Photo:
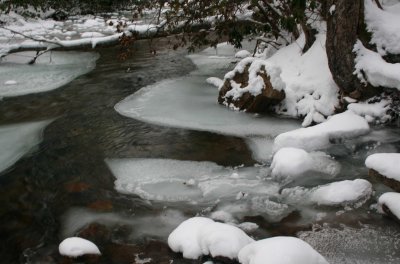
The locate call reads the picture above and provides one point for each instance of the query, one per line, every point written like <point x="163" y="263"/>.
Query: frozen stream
<point x="124" y="177"/>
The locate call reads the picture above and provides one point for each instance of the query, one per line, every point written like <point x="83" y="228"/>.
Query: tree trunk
<point x="343" y="27"/>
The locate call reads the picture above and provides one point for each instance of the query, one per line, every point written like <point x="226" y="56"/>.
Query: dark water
<point x="68" y="169"/>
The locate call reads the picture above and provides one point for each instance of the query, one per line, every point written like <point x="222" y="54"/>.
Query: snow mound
<point x="51" y="71"/>
<point x="91" y="35"/>
<point x="280" y="250"/>
<point x="187" y="181"/>
<point x="291" y="163"/>
<point x="372" y="68"/>
<point x="309" y="87"/>
<point x="372" y="111"/>
<point x="76" y="246"/>
<point x="392" y="201"/>
<point x="384" y="26"/>
<point x="202" y="236"/>
<point x="217" y="82"/>
<point x="242" y="54"/>
<point x="344" y="125"/>
<point x="387" y="164"/>
<point x="343" y="192"/>
<point x="17" y="140"/>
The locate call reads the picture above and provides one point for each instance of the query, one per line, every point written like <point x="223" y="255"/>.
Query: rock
<point x="395" y="185"/>
<point x="254" y="104"/>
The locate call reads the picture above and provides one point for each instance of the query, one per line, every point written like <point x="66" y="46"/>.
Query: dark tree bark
<point x="343" y="27"/>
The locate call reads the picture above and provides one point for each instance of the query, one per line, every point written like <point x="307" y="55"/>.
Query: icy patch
<point x="76" y="246"/>
<point x="17" y="140"/>
<point x="344" y="125"/>
<point x="392" y="201"/>
<point x="51" y="71"/>
<point x="291" y="163"/>
<point x="10" y="82"/>
<point x="161" y="223"/>
<point x="202" y="236"/>
<point x="386" y="164"/>
<point x="280" y="250"/>
<point x="365" y="245"/>
<point x="342" y="193"/>
<point x="186" y="181"/>
<point x="176" y="107"/>
<point x="372" y="68"/>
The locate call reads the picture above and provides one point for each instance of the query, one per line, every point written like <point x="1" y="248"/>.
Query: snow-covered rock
<point x="387" y="164"/>
<point x="242" y="54"/>
<point x="339" y="126"/>
<point x="202" y="236"/>
<point x="390" y="200"/>
<point x="290" y="163"/>
<point x="76" y="247"/>
<point x="372" y="111"/>
<point x="342" y="193"/>
<point x="280" y="250"/>
<point x="217" y="82"/>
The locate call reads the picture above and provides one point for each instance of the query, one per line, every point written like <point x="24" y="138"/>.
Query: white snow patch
<point x="375" y="69"/>
<point x="242" y="54"/>
<point x="91" y="35"/>
<point x="76" y="246"/>
<point x="386" y="164"/>
<point x="202" y="236"/>
<point x="344" y="125"/>
<point x="384" y="26"/>
<point x="291" y="163"/>
<point x="372" y="111"/>
<point x="10" y="82"/>
<point x="392" y="201"/>
<point x="280" y="250"/>
<point x="17" y="140"/>
<point x="217" y="82"/>
<point x="51" y="71"/>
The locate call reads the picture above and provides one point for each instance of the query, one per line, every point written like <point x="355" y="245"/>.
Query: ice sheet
<point x="17" y="140"/>
<point x="51" y="71"/>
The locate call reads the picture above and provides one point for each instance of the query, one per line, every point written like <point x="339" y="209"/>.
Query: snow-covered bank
<point x="17" y="140"/>
<point x="387" y="164"/>
<point x="51" y="71"/>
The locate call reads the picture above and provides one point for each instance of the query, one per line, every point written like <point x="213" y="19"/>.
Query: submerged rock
<point x="268" y="97"/>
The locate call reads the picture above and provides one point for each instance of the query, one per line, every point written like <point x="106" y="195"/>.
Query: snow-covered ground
<point x="51" y="71"/>
<point x="18" y="140"/>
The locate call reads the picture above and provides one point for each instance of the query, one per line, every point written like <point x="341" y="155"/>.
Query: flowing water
<point x="63" y="186"/>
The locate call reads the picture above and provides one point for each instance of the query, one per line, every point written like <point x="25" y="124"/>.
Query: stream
<point x="66" y="183"/>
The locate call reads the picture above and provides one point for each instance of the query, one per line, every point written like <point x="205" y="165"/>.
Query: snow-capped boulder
<point x="389" y="203"/>
<point x="199" y="236"/>
<point x="385" y="166"/>
<point x="76" y="247"/>
<point x="280" y="250"/>
<point x="254" y="85"/>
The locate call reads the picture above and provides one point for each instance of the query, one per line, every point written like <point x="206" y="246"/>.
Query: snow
<point x="343" y="192"/>
<point x="91" y="35"/>
<point x="310" y="90"/>
<point x="372" y="68"/>
<point x="242" y="54"/>
<point x="187" y="181"/>
<point x="386" y="164"/>
<point x="217" y="82"/>
<point x="51" y="71"/>
<point x="384" y="26"/>
<point x="280" y="250"/>
<point x="372" y="111"/>
<point x="17" y="140"/>
<point x="392" y="201"/>
<point x="10" y="82"/>
<point x="291" y="163"/>
<point x="76" y="246"/>
<point x="339" y="126"/>
<point x="202" y="236"/>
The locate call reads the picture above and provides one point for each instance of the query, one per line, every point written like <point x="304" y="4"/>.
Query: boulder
<point x="395" y="185"/>
<point x="260" y="103"/>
